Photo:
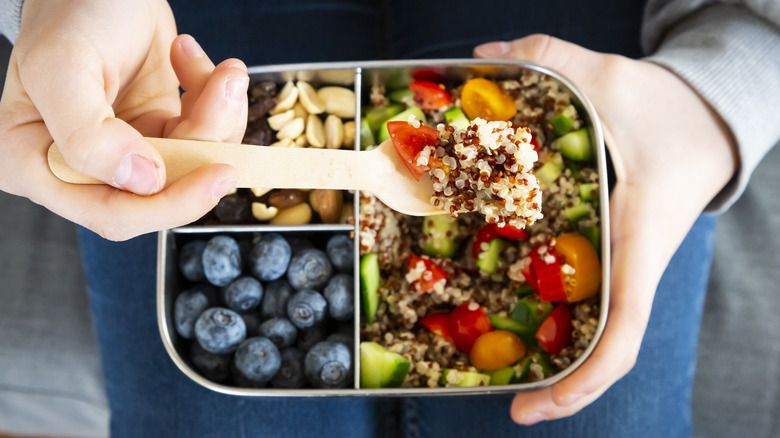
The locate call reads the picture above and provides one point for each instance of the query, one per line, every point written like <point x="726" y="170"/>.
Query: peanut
<point x="297" y="215"/>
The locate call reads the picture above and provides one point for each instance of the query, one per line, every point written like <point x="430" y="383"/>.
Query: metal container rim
<point x="358" y="66"/>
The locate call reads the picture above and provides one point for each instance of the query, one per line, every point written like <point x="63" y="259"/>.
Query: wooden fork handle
<point x="257" y="166"/>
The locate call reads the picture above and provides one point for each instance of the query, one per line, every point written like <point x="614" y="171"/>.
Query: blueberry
<point x="280" y="331"/>
<point x="191" y="260"/>
<point x="307" y="338"/>
<point x="243" y="294"/>
<point x="244" y="382"/>
<point x="306" y="308"/>
<point x="298" y="244"/>
<point x="219" y="330"/>
<point x="341" y="250"/>
<point x="340" y="295"/>
<point x="221" y="260"/>
<point x="275" y="298"/>
<point x="269" y="257"/>
<point x="347" y="340"/>
<point x="328" y="365"/>
<point x="233" y="209"/>
<point x="257" y="359"/>
<point x="188" y="307"/>
<point x="290" y="373"/>
<point x="309" y="269"/>
<point x="215" y="367"/>
<point x="252" y="323"/>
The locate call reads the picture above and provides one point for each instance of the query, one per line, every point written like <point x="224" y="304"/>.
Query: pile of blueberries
<point x="264" y="310"/>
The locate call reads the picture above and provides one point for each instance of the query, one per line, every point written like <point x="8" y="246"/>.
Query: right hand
<point x="672" y="154"/>
<point x="96" y="77"/>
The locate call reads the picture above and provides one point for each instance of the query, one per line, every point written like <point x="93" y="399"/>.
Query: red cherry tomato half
<point x="432" y="274"/>
<point x="433" y="74"/>
<point x="535" y="144"/>
<point x="555" y="332"/>
<point x="549" y="278"/>
<point x="438" y="323"/>
<point x="467" y="323"/>
<point x="530" y="278"/>
<point x="485" y="234"/>
<point x="511" y="232"/>
<point x="429" y="95"/>
<point x="410" y="141"/>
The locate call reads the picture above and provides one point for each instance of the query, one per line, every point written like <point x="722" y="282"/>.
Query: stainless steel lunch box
<point x="361" y="75"/>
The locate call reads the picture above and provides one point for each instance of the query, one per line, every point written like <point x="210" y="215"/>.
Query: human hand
<point x="672" y="154"/>
<point x="96" y="77"/>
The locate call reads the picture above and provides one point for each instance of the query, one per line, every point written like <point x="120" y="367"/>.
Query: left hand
<point x="672" y="154"/>
<point x="96" y="77"/>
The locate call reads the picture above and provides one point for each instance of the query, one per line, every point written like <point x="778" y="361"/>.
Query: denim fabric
<point x="150" y="397"/>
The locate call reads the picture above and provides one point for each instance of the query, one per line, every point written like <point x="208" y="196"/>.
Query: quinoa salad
<point x="506" y="288"/>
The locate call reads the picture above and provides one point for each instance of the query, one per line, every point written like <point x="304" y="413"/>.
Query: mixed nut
<point x="293" y="114"/>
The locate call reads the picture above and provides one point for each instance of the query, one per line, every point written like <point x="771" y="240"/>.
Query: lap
<point x="150" y="396"/>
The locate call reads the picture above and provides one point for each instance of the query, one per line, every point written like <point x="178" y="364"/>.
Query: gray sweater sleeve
<point x="10" y="18"/>
<point x="728" y="51"/>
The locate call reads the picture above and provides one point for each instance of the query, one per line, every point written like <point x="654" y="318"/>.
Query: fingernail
<point x="222" y="188"/>
<point x="571" y="399"/>
<point x="190" y="47"/>
<point x="137" y="174"/>
<point x="531" y="418"/>
<point x="235" y="89"/>
<point x="493" y="50"/>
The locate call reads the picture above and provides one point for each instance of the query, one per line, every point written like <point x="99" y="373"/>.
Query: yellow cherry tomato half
<point x="578" y="252"/>
<point x="485" y="99"/>
<point x="497" y="349"/>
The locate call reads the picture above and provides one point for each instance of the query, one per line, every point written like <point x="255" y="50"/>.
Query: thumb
<point x="77" y="112"/>
<point x="583" y="66"/>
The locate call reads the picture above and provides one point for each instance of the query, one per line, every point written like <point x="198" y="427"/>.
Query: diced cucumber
<point x="438" y="235"/>
<point x="589" y="191"/>
<point x="451" y="377"/>
<point x="540" y="358"/>
<point x="502" y="376"/>
<point x="575" y="145"/>
<point x="530" y="313"/>
<point x="574" y="169"/>
<point x="549" y="172"/>
<point x="403" y="116"/>
<point x="366" y="135"/>
<point x="594" y="235"/>
<point x="369" y="285"/>
<point x="488" y="260"/>
<point x="561" y="124"/>
<point x="524" y="332"/>
<point x="455" y="117"/>
<point x="524" y="291"/>
<point x="578" y="212"/>
<point x="378" y="115"/>
<point x="381" y="368"/>
<point x="402" y="95"/>
<point x="397" y="78"/>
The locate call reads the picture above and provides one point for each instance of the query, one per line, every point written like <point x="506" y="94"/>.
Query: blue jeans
<point x="150" y="397"/>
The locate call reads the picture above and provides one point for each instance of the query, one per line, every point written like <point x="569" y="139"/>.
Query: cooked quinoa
<point x="488" y="168"/>
<point x="395" y="237"/>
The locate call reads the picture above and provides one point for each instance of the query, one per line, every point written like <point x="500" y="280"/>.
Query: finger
<point x="219" y="113"/>
<point x="586" y="68"/>
<point x="191" y="64"/>
<point x="119" y="215"/>
<point x="193" y="69"/>
<point x="77" y="111"/>
<point x="535" y="406"/>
